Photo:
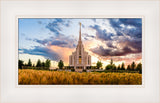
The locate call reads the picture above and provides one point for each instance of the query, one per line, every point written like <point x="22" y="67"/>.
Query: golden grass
<point x="36" y="77"/>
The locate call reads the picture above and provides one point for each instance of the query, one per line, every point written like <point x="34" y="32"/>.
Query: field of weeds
<point x="42" y="77"/>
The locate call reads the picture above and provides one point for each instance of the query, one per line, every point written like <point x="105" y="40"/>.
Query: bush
<point x="84" y="70"/>
<point x="72" y="69"/>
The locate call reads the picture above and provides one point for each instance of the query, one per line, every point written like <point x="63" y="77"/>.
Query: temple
<point x="80" y="59"/>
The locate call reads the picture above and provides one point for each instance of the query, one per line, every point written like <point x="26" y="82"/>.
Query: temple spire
<point x="80" y="32"/>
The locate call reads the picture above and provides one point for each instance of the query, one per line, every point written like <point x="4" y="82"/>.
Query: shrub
<point x="84" y="70"/>
<point x="72" y="69"/>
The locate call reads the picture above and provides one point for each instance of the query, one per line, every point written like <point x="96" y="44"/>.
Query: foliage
<point x="122" y="66"/>
<point x="133" y="66"/>
<point x="72" y="69"/>
<point x="29" y="63"/>
<point x="111" y="66"/>
<point x="119" y="67"/>
<point x="39" y="63"/>
<point x="84" y="70"/>
<point x="111" y="62"/>
<point x="139" y="68"/>
<point x="62" y="77"/>
<point x="93" y="67"/>
<point x="128" y="67"/>
<point x="48" y="63"/>
<point x="43" y="64"/>
<point x="20" y="64"/>
<point x="99" y="64"/>
<point x="118" y="71"/>
<point x="60" y="64"/>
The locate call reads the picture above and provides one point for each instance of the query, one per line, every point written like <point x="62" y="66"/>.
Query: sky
<point x="119" y="39"/>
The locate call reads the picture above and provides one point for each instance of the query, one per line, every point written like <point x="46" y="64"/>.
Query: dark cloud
<point x="43" y="42"/>
<point x="62" y="41"/>
<point x="88" y="36"/>
<point x="110" y="45"/>
<point x="56" y="25"/>
<point x="102" y="34"/>
<point x="117" y="52"/>
<point x="42" y="51"/>
<point x="129" y="48"/>
<point x="57" y="42"/>
<point x="136" y="23"/>
<point x="128" y="36"/>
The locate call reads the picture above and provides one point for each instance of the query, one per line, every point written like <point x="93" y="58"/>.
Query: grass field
<point x="42" y="77"/>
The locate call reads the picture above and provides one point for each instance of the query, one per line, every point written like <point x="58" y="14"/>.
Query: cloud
<point x="62" y="41"/>
<point x="86" y="36"/>
<point x="43" y="51"/>
<point x="56" y="25"/>
<point x="131" y="26"/>
<point x="128" y="47"/>
<point x="110" y="45"/>
<point x="102" y="34"/>
<point x="57" y="42"/>
<point x="108" y="39"/>
<point x="43" y="42"/>
<point x="63" y="52"/>
<point x="52" y="52"/>
<point x="127" y="40"/>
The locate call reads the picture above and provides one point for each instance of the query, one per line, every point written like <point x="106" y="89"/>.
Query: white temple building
<point x="80" y="59"/>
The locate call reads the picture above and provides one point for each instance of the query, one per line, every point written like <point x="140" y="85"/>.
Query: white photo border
<point x="11" y="93"/>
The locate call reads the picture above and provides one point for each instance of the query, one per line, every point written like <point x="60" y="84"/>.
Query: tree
<point x="133" y="65"/>
<point x="128" y="67"/>
<point x="48" y="63"/>
<point x="60" y="64"/>
<point x="108" y="67"/>
<point x="25" y="64"/>
<point x="99" y="64"/>
<point x="39" y="63"/>
<point x="139" y="68"/>
<point x="111" y="62"/>
<point x="119" y="67"/>
<point x="111" y="66"/>
<point x="29" y="63"/>
<point x="20" y="64"/>
<point x="43" y="64"/>
<point x="122" y="66"/>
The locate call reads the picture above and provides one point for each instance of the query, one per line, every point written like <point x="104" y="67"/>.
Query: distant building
<point x="80" y="59"/>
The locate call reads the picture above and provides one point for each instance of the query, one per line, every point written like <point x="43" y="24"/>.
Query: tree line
<point x="39" y="65"/>
<point x="131" y="67"/>
<point x="46" y="65"/>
